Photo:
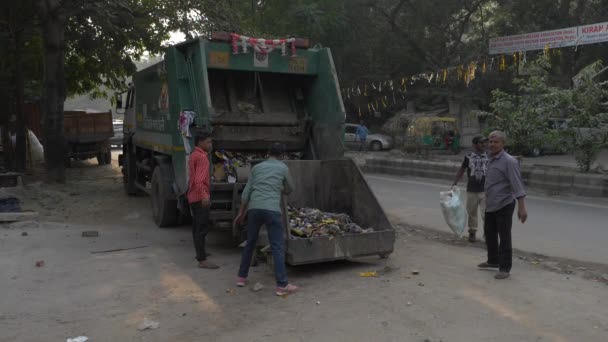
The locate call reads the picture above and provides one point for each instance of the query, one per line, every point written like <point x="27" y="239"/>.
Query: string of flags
<point x="380" y="95"/>
<point x="261" y="45"/>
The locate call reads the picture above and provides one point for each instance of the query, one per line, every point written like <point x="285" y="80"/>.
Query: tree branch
<point x="392" y="20"/>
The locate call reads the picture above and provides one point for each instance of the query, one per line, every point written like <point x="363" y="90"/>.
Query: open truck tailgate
<point x="336" y="186"/>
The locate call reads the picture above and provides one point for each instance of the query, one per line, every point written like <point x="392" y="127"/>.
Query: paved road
<point x="572" y="228"/>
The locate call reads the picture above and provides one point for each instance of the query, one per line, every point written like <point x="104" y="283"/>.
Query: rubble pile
<point x="225" y="163"/>
<point x="308" y="223"/>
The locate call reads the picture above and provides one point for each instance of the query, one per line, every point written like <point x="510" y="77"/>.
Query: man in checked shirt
<point x="504" y="188"/>
<point x="199" y="195"/>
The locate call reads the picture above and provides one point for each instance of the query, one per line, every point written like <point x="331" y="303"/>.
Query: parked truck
<point x="248" y="98"/>
<point x="88" y="136"/>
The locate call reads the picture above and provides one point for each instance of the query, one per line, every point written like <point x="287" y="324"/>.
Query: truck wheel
<point x="376" y="146"/>
<point x="129" y="172"/>
<point x="101" y="158"/>
<point x="108" y="157"/>
<point x="164" y="210"/>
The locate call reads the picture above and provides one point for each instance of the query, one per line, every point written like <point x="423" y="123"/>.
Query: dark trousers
<point x="498" y="226"/>
<point x="256" y="218"/>
<point x="200" y="228"/>
<point x="362" y="145"/>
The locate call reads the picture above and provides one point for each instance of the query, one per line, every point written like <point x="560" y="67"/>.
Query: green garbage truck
<point x="249" y="93"/>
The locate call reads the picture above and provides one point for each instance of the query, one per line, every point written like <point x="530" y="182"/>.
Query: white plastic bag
<point x="454" y="211"/>
<point x="36" y="149"/>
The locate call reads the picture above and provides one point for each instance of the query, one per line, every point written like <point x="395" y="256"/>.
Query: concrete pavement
<point x="573" y="228"/>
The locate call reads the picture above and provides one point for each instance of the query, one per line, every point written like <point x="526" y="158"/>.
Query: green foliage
<point x="524" y="115"/>
<point x="589" y="126"/>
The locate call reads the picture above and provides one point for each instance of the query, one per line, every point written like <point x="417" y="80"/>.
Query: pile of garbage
<point x="309" y="222"/>
<point x="226" y="163"/>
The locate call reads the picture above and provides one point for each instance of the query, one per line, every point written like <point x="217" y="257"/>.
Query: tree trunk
<point x="20" y="146"/>
<point x="54" y="90"/>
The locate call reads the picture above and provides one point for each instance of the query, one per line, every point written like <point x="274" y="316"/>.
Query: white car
<point x="375" y="142"/>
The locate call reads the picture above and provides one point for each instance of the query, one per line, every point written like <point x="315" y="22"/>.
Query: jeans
<point x="200" y="228"/>
<point x="272" y="220"/>
<point x="362" y="145"/>
<point x="498" y="225"/>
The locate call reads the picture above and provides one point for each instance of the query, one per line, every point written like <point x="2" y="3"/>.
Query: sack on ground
<point x="454" y="211"/>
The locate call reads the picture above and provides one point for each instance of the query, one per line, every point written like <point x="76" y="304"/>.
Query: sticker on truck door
<point x="163" y="98"/>
<point x="298" y="65"/>
<point x="219" y="59"/>
<point x="260" y="60"/>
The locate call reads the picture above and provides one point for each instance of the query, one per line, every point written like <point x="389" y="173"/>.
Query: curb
<point x="553" y="180"/>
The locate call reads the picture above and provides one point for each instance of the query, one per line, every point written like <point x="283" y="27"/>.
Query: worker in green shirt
<point x="261" y="203"/>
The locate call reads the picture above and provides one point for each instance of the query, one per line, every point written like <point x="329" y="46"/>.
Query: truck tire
<point x="101" y="158"/>
<point x="129" y="171"/>
<point x="108" y="157"/>
<point x="164" y="209"/>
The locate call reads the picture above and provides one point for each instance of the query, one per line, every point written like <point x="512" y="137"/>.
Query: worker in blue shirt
<point x="261" y="203"/>
<point x="362" y="133"/>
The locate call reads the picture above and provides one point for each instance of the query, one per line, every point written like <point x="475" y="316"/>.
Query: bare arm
<point x="459" y="175"/>
<point x="522" y="212"/>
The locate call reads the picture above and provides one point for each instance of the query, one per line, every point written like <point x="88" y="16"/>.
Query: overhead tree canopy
<point x="86" y="44"/>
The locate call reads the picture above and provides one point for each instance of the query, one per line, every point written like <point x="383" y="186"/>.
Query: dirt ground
<point x="106" y="296"/>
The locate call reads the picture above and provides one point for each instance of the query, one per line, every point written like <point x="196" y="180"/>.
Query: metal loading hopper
<point x="336" y="186"/>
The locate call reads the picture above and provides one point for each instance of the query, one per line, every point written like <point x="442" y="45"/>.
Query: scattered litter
<point x="40" y="263"/>
<point x="148" y="324"/>
<point x="535" y="262"/>
<point x="118" y="250"/>
<point x="230" y="291"/>
<point x="409" y="304"/>
<point x="78" y="339"/>
<point x="90" y="233"/>
<point x="308" y="222"/>
<point x="318" y="303"/>
<point x="387" y="270"/>
<point x="421" y="284"/>
<point x="24" y="234"/>
<point x="257" y="287"/>
<point x="368" y="274"/>
<point x="415" y="272"/>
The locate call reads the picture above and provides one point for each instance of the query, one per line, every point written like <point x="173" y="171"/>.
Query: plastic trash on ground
<point x="454" y="211"/>
<point x="78" y="339"/>
<point x="148" y="324"/>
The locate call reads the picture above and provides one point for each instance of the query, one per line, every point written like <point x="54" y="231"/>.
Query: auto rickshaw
<point x="437" y="133"/>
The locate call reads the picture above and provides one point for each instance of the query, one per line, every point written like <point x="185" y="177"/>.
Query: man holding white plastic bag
<point x="504" y="187"/>
<point x="475" y="164"/>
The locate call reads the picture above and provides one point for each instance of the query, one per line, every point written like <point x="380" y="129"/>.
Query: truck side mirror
<point x="118" y="100"/>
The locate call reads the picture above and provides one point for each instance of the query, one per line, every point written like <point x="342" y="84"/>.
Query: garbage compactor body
<point x="246" y="99"/>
